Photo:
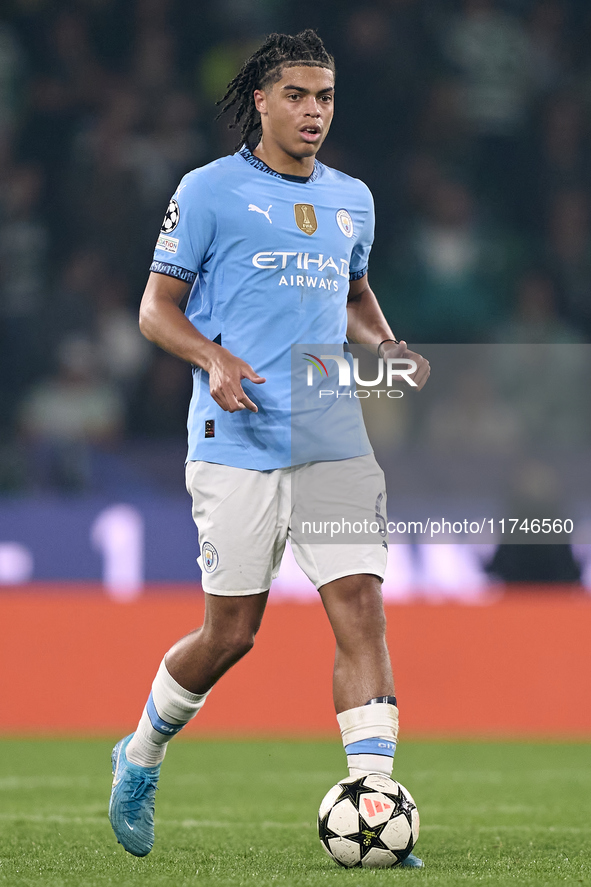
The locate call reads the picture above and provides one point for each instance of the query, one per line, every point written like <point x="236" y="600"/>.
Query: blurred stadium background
<point x="471" y="123"/>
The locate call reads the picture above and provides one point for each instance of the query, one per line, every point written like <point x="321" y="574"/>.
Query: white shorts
<point x="244" y="518"/>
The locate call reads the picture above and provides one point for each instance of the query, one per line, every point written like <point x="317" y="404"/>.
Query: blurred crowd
<point x="468" y="119"/>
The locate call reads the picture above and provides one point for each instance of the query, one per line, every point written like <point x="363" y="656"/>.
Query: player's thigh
<point x="354" y="497"/>
<point x="242" y="519"/>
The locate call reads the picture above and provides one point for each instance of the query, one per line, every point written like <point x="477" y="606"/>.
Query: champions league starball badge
<point x="172" y="217"/>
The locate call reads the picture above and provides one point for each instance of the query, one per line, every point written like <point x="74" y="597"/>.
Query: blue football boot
<point x="131" y="809"/>
<point x="412" y="862"/>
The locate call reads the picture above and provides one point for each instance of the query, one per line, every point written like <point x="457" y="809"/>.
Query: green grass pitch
<point x="243" y="813"/>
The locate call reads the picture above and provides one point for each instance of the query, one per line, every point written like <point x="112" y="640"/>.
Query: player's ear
<point x="260" y="101"/>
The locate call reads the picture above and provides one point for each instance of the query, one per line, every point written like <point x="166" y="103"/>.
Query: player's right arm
<point x="163" y="322"/>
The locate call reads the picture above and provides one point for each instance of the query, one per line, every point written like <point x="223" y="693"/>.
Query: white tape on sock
<point x="368" y="721"/>
<point x="368" y="729"/>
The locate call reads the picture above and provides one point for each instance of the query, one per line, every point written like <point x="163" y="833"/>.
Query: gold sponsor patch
<point x="305" y="217"/>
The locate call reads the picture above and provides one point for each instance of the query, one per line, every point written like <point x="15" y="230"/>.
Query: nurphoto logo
<point x="394" y="369"/>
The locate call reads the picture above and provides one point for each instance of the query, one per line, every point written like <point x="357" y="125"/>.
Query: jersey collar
<point x="262" y="166"/>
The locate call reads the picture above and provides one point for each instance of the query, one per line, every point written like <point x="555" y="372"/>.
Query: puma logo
<point x="257" y="209"/>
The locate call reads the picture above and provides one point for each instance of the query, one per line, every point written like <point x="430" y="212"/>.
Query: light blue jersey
<point x="269" y="259"/>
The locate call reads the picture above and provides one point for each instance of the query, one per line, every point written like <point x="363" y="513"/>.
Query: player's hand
<point x="401" y="349"/>
<point x="226" y="372"/>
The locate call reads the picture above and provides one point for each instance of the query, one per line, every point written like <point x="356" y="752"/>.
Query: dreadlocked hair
<point x="265" y="67"/>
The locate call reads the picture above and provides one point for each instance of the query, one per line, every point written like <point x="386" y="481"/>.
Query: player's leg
<point x="237" y="512"/>
<point x="362" y="668"/>
<point x="348" y="572"/>
<point x="363" y="686"/>
<point x="186" y="674"/>
<point x="191" y="668"/>
<point x="348" y="577"/>
<point x="228" y="632"/>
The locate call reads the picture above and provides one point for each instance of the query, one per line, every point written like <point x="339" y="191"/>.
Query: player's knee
<point x="244" y="642"/>
<point x="364" y="604"/>
<point x="236" y="643"/>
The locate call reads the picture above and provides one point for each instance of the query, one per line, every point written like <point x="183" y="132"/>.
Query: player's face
<point x="296" y="112"/>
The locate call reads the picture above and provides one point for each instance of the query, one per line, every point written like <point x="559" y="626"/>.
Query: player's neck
<point x="282" y="162"/>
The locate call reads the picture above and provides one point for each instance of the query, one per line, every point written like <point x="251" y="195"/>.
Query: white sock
<point x="168" y="709"/>
<point x="370" y="733"/>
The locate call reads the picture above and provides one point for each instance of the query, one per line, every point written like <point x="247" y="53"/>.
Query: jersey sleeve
<point x="188" y="230"/>
<point x="360" y="254"/>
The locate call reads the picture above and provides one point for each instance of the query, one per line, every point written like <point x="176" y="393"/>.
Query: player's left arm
<point x="366" y="325"/>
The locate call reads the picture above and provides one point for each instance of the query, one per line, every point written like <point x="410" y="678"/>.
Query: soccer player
<point x="273" y="247"/>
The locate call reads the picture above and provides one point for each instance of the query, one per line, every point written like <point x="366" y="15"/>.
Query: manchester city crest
<point x="345" y="222"/>
<point x="209" y="557"/>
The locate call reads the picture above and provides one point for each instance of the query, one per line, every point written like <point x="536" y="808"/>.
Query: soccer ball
<point x="371" y="822"/>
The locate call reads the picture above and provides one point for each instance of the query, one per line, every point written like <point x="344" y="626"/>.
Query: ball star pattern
<point x="368" y="837"/>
